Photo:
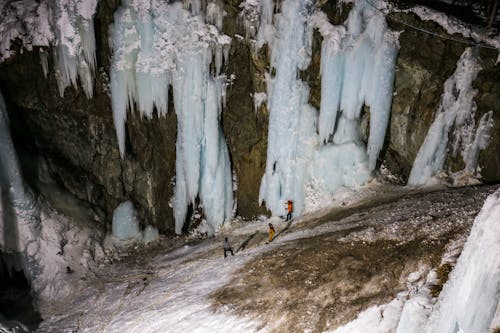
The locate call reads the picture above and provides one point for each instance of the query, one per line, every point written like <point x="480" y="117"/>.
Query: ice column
<point x="286" y="165"/>
<point x="16" y="203"/>
<point x="456" y="113"/>
<point x="471" y="295"/>
<point x="75" y="43"/>
<point x="357" y="68"/>
<point x="158" y="45"/>
<point x="10" y="173"/>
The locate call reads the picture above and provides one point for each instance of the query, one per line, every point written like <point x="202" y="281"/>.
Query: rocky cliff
<point x="72" y="140"/>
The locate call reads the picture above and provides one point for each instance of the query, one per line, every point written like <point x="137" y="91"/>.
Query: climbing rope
<point x="464" y="41"/>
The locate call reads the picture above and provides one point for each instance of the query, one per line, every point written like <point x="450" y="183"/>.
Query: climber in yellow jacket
<point x="271" y="232"/>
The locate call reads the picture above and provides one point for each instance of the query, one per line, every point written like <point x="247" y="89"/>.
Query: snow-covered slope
<point x="190" y="286"/>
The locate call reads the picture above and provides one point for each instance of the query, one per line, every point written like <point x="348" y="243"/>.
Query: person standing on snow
<point x="227" y="247"/>
<point x="289" y="209"/>
<point x="271" y="232"/>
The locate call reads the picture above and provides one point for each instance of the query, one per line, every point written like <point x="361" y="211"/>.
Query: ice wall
<point x="470" y="297"/>
<point x="43" y="242"/>
<point x="157" y="45"/>
<point x="66" y="25"/>
<point x="357" y="68"/>
<point x="455" y="118"/>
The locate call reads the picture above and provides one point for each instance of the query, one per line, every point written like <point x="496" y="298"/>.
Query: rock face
<point x="76" y="136"/>
<point x="424" y="64"/>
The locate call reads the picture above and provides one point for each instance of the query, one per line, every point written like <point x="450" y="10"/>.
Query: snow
<point x="157" y="45"/>
<point x="455" y="116"/>
<point x="171" y="290"/>
<point x="470" y="297"/>
<point x="377" y="319"/>
<point x="66" y="25"/>
<point x="258" y="99"/>
<point x="357" y="68"/>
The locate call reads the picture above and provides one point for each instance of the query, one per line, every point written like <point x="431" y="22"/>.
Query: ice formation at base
<point x="456" y="116"/>
<point x="125" y="226"/>
<point x="470" y="297"/>
<point x="65" y="24"/>
<point x="157" y="45"/>
<point x="39" y="241"/>
<point x="357" y="69"/>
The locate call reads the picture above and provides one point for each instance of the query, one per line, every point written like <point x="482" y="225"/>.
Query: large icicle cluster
<point x="65" y="24"/>
<point x="157" y="45"/>
<point x="357" y="68"/>
<point x="456" y="116"/>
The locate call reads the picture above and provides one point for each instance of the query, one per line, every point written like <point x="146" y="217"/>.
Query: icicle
<point x="10" y="172"/>
<point x="480" y="141"/>
<point x="348" y="80"/>
<point x="164" y="44"/>
<point x="215" y="14"/>
<point x="44" y="61"/>
<point x="75" y="44"/>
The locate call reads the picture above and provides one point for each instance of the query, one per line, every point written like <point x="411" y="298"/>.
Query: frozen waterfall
<point x="158" y="45"/>
<point x="455" y="116"/>
<point x="65" y="24"/>
<point x="357" y="68"/>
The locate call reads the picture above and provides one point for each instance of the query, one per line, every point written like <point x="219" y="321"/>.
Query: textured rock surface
<point x="424" y="63"/>
<point x="76" y="136"/>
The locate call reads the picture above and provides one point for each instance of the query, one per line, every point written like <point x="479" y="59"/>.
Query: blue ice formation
<point x="357" y="68"/>
<point x="157" y="45"/>
<point x="125" y="224"/>
<point x="454" y="116"/>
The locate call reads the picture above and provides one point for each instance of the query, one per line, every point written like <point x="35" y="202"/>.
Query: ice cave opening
<point x="17" y="307"/>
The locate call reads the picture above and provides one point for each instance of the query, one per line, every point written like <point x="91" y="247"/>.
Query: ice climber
<point x="227" y="247"/>
<point x="289" y="209"/>
<point x="271" y="232"/>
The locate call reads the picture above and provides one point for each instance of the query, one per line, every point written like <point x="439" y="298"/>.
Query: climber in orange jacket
<point x="289" y="204"/>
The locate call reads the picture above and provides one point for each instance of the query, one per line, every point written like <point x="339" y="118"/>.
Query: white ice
<point x="357" y="68"/>
<point x="66" y="25"/>
<point x="125" y="225"/>
<point x="470" y="297"/>
<point x="455" y="118"/>
<point x="126" y="228"/>
<point x="157" y="45"/>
